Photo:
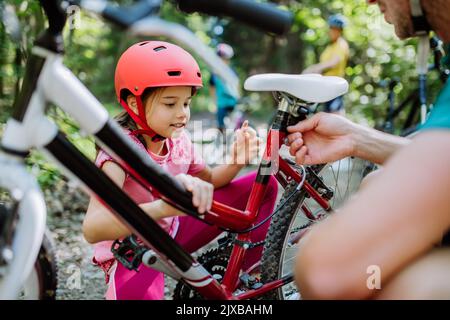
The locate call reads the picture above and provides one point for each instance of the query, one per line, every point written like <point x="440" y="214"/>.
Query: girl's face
<point x="167" y="110"/>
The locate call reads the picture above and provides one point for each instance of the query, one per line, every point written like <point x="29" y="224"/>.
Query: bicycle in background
<point x="405" y="117"/>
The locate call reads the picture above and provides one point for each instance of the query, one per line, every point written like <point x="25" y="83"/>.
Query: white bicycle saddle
<point x="307" y="87"/>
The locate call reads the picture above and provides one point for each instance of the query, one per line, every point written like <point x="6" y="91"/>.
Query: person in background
<point x="333" y="60"/>
<point x="225" y="101"/>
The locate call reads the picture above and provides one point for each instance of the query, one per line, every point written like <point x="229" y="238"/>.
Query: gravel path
<point x="78" y="278"/>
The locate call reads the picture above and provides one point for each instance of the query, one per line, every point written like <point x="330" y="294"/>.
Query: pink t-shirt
<point x="180" y="158"/>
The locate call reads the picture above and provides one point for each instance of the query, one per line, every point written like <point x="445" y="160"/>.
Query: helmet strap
<point x="141" y="120"/>
<point x="420" y="23"/>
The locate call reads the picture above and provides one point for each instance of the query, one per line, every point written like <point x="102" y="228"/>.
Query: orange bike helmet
<point x="153" y="64"/>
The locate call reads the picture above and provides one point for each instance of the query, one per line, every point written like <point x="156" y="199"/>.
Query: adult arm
<point x="400" y="216"/>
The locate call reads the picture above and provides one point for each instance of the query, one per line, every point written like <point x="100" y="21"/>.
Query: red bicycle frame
<point x="228" y="217"/>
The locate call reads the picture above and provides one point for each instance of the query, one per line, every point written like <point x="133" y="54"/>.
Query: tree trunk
<point x="3" y="55"/>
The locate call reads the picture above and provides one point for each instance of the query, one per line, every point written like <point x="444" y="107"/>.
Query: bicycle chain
<point x="215" y="261"/>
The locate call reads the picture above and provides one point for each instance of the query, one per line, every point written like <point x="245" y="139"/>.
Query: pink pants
<point x="148" y="284"/>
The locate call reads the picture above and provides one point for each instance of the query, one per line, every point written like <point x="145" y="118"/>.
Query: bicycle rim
<point x="343" y="178"/>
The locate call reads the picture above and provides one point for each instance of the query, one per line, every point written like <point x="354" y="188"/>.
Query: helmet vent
<point x="199" y="74"/>
<point x="143" y="43"/>
<point x="159" y="48"/>
<point x="174" y="73"/>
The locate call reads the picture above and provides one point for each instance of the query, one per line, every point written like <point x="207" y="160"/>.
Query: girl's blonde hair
<point x="124" y="119"/>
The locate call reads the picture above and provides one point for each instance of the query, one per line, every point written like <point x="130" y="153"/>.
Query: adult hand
<point x="322" y="138"/>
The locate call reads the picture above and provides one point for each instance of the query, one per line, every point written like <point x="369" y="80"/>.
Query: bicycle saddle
<point x="307" y="87"/>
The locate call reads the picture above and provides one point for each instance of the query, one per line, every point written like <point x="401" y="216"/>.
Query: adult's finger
<point x="300" y="155"/>
<point x="293" y="136"/>
<point x="305" y="125"/>
<point x="295" y="146"/>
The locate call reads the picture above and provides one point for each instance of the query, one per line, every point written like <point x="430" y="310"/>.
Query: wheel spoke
<point x="345" y="178"/>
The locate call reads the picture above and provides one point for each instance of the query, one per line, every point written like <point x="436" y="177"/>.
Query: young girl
<point x="155" y="82"/>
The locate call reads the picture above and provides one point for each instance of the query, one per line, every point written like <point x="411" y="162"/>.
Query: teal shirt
<point x="440" y="115"/>
<point x="224" y="98"/>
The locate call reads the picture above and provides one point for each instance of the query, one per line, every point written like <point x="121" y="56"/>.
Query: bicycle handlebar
<point x="265" y="16"/>
<point x="121" y="16"/>
<point x="126" y="16"/>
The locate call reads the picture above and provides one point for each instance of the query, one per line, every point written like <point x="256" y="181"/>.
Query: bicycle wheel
<point x="290" y="223"/>
<point x="41" y="284"/>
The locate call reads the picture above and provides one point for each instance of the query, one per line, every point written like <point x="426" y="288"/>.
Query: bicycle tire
<point x="276" y="238"/>
<point x="44" y="273"/>
<point x="344" y="178"/>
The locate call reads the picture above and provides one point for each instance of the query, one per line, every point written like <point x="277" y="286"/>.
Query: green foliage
<point x="47" y="173"/>
<point x="13" y="54"/>
<point x="93" y="47"/>
<point x="70" y="127"/>
<point x="376" y="53"/>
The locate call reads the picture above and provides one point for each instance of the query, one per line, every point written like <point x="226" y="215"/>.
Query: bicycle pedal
<point x="128" y="252"/>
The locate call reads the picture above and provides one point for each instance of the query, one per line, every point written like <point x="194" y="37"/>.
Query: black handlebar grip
<point x="264" y="16"/>
<point x="55" y="14"/>
<point x="125" y="16"/>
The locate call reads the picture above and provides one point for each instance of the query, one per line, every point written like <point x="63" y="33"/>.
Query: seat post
<point x="289" y="112"/>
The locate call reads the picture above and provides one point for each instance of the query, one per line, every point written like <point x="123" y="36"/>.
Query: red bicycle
<point x="306" y="199"/>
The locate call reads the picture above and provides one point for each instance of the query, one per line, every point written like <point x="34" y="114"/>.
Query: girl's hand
<point x="246" y="145"/>
<point x="202" y="191"/>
